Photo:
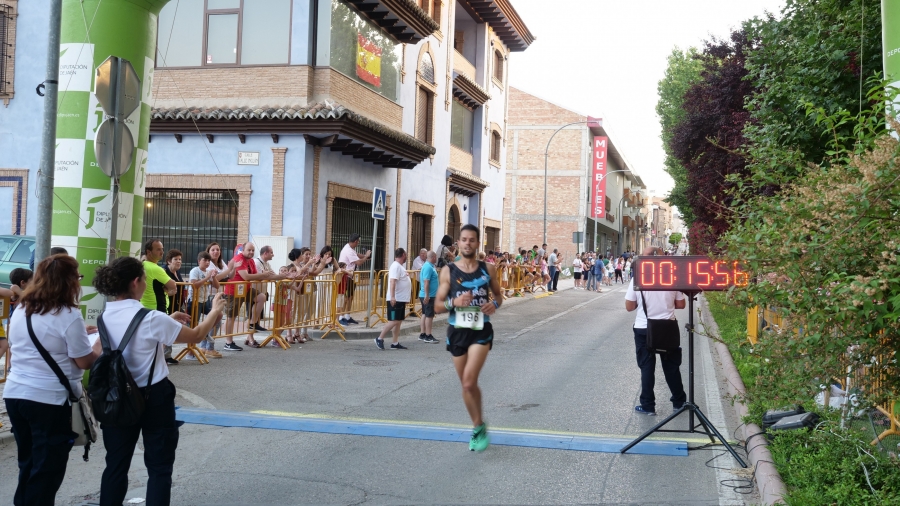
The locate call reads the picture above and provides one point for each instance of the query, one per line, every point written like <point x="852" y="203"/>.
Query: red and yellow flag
<point x="368" y="61"/>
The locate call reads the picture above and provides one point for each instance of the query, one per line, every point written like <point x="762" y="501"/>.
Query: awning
<point x="465" y="183"/>
<point x="403" y="19"/>
<point x="504" y="19"/>
<point x="325" y="124"/>
<point x="469" y="92"/>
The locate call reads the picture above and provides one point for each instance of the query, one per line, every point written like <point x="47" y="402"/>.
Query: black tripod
<point x="689" y="406"/>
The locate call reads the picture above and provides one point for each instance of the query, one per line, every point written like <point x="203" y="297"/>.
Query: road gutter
<point x="771" y="486"/>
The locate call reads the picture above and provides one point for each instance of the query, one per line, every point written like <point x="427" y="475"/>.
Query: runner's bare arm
<point x="443" y="290"/>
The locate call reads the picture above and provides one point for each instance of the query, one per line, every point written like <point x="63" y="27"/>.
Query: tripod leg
<point x="654" y="429"/>
<point x="706" y="428"/>
<point x="709" y="425"/>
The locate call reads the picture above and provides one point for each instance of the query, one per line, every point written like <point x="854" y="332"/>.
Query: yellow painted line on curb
<point x="322" y="416"/>
<point x="542" y="295"/>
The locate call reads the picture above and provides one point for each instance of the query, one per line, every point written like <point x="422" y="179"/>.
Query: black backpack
<point x="116" y="399"/>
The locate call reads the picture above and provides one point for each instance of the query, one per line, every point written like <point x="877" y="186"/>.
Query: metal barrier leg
<point x="193" y="350"/>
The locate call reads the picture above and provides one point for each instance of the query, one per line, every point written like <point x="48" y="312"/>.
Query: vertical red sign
<point x="598" y="178"/>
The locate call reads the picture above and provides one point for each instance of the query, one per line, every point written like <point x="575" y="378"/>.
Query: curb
<point x="410" y="327"/>
<point x="771" y="486"/>
<point x="6" y="437"/>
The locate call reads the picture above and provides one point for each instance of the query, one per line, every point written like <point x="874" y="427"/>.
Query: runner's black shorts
<point x="459" y="340"/>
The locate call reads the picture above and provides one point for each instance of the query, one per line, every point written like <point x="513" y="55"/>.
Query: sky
<point x="604" y="58"/>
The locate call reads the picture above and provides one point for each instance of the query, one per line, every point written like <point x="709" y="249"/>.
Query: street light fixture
<point x="547" y="156"/>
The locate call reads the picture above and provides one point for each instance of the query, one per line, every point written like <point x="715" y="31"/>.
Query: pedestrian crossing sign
<point x="379" y="204"/>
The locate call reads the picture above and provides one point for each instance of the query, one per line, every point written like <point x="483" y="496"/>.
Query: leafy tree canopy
<point x="683" y="71"/>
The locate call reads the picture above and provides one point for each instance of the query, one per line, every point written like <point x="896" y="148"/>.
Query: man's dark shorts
<point x="427" y="309"/>
<point x="233" y="307"/>
<point x="396" y="312"/>
<point x="459" y="340"/>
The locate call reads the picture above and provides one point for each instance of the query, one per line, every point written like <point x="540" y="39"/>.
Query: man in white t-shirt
<point x="660" y="306"/>
<point x="349" y="258"/>
<point x="398" y="296"/>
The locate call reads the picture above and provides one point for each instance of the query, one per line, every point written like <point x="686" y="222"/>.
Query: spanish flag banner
<point x="368" y="61"/>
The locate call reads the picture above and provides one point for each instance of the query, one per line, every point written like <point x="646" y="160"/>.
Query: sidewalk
<point x="410" y="326"/>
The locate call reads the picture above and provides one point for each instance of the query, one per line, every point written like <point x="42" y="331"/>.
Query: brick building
<point x="532" y="122"/>
<point x="660" y="223"/>
<point x="277" y="119"/>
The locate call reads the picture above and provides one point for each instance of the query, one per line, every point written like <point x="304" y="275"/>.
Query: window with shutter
<point x="498" y="66"/>
<point x="459" y="39"/>
<point x="7" y="50"/>
<point x="495" y="146"/>
<point x="424" y="112"/>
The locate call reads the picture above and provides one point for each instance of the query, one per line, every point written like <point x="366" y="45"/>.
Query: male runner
<point x="466" y="286"/>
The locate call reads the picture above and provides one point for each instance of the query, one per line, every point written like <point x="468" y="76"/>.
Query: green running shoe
<point x="480" y="439"/>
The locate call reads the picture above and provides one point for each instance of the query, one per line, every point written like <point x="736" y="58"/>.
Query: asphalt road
<point x="563" y="364"/>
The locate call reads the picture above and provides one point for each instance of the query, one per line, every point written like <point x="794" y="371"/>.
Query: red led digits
<point x="688" y="274"/>
<point x="719" y="273"/>
<point x="703" y="284"/>
<point x="740" y="278"/>
<point x="663" y="268"/>
<point x="652" y="280"/>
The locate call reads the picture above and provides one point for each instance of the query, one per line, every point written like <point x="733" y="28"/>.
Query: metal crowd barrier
<point x="310" y="303"/>
<point x="872" y="384"/>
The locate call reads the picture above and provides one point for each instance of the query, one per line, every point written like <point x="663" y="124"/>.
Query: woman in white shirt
<point x="36" y="400"/>
<point x="124" y="281"/>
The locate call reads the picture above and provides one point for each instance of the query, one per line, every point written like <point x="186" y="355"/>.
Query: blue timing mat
<point x="427" y="432"/>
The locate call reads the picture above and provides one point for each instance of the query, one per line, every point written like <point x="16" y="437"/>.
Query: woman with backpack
<point x="37" y="402"/>
<point x="123" y="280"/>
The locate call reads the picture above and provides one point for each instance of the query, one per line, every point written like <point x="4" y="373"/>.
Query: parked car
<point x="15" y="251"/>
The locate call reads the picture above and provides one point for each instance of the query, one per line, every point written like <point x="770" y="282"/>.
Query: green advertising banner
<point x="82" y="206"/>
<point x="890" y="33"/>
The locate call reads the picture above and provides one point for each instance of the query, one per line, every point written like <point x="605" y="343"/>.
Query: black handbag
<point x="662" y="335"/>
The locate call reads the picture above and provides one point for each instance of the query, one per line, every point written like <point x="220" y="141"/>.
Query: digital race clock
<point x="687" y="274"/>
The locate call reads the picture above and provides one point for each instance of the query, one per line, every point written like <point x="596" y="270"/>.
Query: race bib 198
<point x="469" y="318"/>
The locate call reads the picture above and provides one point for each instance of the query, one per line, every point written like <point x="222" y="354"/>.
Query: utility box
<point x="281" y="246"/>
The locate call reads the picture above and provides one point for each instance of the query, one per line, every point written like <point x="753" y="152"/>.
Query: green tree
<point x="817" y="52"/>
<point x="675" y="238"/>
<point x="682" y="72"/>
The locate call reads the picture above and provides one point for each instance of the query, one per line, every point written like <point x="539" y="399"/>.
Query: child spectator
<point x="203" y="286"/>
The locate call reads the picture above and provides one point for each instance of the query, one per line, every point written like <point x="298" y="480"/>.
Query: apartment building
<point x="296" y="110"/>
<point x="583" y="212"/>
<point x="277" y="119"/>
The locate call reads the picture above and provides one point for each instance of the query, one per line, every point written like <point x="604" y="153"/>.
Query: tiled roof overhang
<point x="468" y="92"/>
<point x="465" y="183"/>
<point x="402" y="19"/>
<point x="332" y="126"/>
<point x="505" y="21"/>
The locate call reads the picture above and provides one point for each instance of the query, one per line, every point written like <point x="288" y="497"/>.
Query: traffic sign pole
<point x="372" y="272"/>
<point x="379" y="210"/>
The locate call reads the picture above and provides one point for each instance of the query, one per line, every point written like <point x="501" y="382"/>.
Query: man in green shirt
<point x="159" y="284"/>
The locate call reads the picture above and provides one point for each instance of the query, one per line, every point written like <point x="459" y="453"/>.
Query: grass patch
<point x="828" y="465"/>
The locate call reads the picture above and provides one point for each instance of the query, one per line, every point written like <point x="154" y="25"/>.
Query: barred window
<point x="7" y="52"/>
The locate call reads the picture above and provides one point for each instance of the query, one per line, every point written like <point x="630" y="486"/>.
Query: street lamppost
<point x="547" y="156"/>
<point x="621" y="230"/>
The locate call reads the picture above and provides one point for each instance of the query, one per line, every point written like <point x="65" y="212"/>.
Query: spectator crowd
<point x="153" y="305"/>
